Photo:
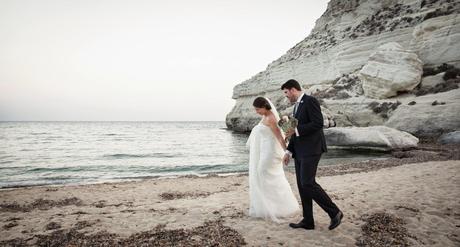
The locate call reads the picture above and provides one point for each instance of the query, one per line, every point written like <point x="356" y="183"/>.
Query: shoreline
<point x="424" y="152"/>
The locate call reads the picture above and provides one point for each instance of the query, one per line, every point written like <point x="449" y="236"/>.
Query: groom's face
<point x="290" y="94"/>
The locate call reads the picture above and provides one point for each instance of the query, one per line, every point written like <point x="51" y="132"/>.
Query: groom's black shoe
<point x="302" y="225"/>
<point x="335" y="222"/>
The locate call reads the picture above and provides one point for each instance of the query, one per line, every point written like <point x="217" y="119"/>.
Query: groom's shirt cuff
<point x="297" y="132"/>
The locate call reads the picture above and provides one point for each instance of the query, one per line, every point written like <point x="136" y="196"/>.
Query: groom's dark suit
<point x="306" y="150"/>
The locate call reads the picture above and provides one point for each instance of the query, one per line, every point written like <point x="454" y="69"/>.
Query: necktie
<point x="295" y="107"/>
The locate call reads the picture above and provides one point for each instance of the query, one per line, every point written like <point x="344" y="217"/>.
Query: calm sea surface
<point x="39" y="153"/>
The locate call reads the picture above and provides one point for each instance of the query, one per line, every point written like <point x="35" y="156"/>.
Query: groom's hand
<point x="290" y="133"/>
<point x="286" y="159"/>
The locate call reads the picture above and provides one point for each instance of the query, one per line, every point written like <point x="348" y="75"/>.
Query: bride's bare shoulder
<point x="271" y="119"/>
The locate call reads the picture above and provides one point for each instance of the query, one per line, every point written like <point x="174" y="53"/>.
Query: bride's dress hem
<point x="270" y="194"/>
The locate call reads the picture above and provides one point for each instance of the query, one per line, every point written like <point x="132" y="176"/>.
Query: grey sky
<point x="139" y="60"/>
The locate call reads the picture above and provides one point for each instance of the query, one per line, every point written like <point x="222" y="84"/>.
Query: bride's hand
<point x="286" y="159"/>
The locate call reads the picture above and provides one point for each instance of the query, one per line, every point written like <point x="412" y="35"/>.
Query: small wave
<point x="128" y="156"/>
<point x="146" y="172"/>
<point x="187" y="169"/>
<point x="64" y="178"/>
<point x="134" y="177"/>
<point x="12" y="167"/>
<point x="34" y="183"/>
<point x="122" y="156"/>
<point x="6" y="156"/>
<point x="58" y="169"/>
<point x="51" y="179"/>
<point x="52" y="138"/>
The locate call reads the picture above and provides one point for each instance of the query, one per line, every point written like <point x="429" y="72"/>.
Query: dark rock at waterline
<point x="438" y="103"/>
<point x="450" y="138"/>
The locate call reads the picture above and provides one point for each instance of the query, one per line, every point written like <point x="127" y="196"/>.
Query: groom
<point x="306" y="145"/>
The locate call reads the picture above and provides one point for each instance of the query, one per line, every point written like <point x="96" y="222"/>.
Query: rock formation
<point x="390" y="70"/>
<point x="339" y="63"/>
<point x="375" y="137"/>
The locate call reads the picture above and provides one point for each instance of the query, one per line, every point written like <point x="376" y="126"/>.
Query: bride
<point x="270" y="195"/>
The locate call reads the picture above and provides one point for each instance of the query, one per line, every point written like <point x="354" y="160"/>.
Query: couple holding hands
<point x="270" y="194"/>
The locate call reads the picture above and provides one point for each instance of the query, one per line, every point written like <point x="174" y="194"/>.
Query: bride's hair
<point x="261" y="102"/>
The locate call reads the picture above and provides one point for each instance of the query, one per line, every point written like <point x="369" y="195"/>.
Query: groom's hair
<point x="291" y="84"/>
<point x="261" y="102"/>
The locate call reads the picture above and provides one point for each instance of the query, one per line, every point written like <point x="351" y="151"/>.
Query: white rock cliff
<point x="328" y="63"/>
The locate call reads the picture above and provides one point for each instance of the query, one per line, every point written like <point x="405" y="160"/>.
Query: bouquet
<point x="287" y="124"/>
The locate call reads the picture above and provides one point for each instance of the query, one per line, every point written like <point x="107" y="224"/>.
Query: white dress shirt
<point x="296" y="109"/>
<point x="298" y="103"/>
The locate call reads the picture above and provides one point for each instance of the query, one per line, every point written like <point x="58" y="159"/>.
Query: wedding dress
<point x="270" y="195"/>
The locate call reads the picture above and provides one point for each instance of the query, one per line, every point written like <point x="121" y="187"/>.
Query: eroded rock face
<point x="375" y="137"/>
<point x="391" y="69"/>
<point x="343" y="39"/>
<point x="437" y="39"/>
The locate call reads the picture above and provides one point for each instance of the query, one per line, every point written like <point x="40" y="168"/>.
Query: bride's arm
<point x="274" y="127"/>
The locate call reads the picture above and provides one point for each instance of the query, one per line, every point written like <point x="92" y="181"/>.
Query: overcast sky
<point x="174" y="60"/>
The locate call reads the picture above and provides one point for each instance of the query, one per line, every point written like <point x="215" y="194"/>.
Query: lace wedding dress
<point x="270" y="195"/>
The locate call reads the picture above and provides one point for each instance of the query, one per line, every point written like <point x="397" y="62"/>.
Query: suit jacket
<point x="311" y="139"/>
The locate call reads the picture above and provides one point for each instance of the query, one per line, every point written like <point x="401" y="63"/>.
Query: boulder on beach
<point x="375" y="137"/>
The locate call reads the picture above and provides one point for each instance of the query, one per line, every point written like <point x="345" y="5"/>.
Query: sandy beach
<point x="401" y="204"/>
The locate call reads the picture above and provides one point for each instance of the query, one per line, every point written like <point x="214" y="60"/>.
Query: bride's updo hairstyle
<point x="261" y="102"/>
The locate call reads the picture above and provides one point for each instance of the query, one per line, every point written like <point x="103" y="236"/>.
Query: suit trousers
<point x="309" y="190"/>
